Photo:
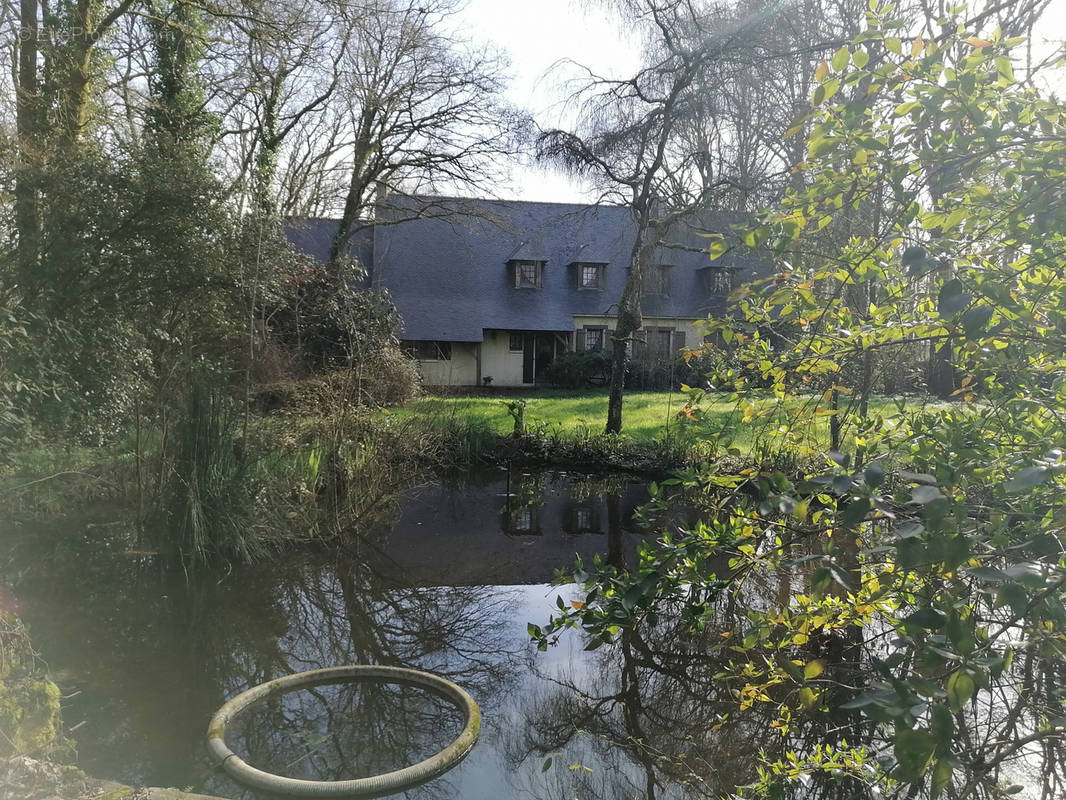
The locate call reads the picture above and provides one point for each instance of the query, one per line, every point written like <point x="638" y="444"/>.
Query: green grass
<point x="647" y="416"/>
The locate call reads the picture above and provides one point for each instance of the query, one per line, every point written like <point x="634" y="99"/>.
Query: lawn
<point x="646" y="416"/>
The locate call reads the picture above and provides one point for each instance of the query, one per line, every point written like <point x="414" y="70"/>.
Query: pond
<point x="145" y="654"/>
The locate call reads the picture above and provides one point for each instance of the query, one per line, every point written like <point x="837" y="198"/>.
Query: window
<point x="516" y="343"/>
<point x="528" y="274"/>
<point x="583" y="518"/>
<point x="657" y="279"/>
<point x="719" y="280"/>
<point x="423" y="350"/>
<point x="521" y="521"/>
<point x="593" y="338"/>
<point x="590" y="276"/>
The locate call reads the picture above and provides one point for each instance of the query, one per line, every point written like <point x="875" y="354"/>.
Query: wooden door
<point x="529" y="361"/>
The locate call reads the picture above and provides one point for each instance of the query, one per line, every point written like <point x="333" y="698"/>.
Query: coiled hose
<point x="374" y="786"/>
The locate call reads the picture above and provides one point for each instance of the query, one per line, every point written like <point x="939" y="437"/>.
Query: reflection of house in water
<point x="522" y="521"/>
<point x="517" y="531"/>
<point x="583" y="517"/>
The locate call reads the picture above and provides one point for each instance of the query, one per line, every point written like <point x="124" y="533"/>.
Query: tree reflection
<point x="652" y="717"/>
<point x="155" y="652"/>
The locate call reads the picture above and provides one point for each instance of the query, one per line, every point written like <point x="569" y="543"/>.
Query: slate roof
<point x="449" y="278"/>
<point x="314" y="236"/>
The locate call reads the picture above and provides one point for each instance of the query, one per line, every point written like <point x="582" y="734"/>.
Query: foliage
<point x="210" y="491"/>
<point x="581" y="369"/>
<point x="689" y="368"/>
<point x="24" y="381"/>
<point x="333" y="323"/>
<point x="387" y="378"/>
<point x="921" y="624"/>
<point x="30" y="713"/>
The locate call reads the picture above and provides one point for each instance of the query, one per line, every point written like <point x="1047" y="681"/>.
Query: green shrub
<point x="330" y="322"/>
<point x="581" y="369"/>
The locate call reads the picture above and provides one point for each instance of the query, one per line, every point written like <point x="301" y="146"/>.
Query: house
<point x="491" y="292"/>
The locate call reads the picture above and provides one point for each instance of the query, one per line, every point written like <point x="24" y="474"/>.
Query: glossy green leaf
<point x="925" y="617"/>
<point x="960" y="688"/>
<point x="913" y="749"/>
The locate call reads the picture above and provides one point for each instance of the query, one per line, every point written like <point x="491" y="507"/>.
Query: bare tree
<point x="630" y="139"/>
<point x="424" y="109"/>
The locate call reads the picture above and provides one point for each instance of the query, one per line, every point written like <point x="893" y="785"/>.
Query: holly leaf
<point x="960" y="689"/>
<point x="952" y="298"/>
<point x="925" y="617"/>
<point x="913" y="749"/>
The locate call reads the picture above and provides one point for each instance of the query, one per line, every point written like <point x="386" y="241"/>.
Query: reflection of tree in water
<point x="147" y="643"/>
<point x="650" y="718"/>
<point x="348" y="614"/>
<point x="323" y="733"/>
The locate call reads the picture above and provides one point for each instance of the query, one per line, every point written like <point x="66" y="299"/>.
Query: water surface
<point x="145" y="654"/>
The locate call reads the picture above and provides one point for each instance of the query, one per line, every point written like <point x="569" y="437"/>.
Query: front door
<point x="538" y="352"/>
<point x="529" y="357"/>
<point x="543" y="355"/>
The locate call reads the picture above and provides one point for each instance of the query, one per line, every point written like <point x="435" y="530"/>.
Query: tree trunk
<point x="27" y="211"/>
<point x="266" y="159"/>
<point x="356" y="199"/>
<point x="69" y="68"/>
<point x="941" y="371"/>
<point x="629" y="320"/>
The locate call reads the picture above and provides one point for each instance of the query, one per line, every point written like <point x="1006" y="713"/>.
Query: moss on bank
<point x="33" y="749"/>
<point x="29" y="703"/>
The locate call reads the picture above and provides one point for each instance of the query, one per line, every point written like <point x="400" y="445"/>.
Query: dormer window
<point x="528" y="274"/>
<point x="589" y="275"/>
<point x="657" y="279"/>
<point x="718" y="280"/>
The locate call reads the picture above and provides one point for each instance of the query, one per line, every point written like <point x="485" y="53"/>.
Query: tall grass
<point x="207" y="506"/>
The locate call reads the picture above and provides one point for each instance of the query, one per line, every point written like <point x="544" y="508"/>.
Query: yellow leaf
<point x="577" y="604"/>
<point x="977" y="43"/>
<point x="808" y="697"/>
<point x="813" y="669"/>
<point x="821" y="71"/>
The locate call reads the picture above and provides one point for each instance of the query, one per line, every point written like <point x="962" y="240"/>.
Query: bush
<point x="387" y="378"/>
<point x="580" y="370"/>
<point x="331" y="323"/>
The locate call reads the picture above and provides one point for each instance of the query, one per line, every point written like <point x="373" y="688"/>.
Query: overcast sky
<point x="539" y="35"/>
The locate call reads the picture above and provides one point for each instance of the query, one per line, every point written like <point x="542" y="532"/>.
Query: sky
<point x="541" y="36"/>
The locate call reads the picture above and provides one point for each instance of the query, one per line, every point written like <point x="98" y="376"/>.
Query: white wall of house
<point x="498" y="361"/>
<point x="459" y="370"/>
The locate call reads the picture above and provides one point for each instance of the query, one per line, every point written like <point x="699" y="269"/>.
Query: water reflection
<point x="324" y="731"/>
<point x="148" y="653"/>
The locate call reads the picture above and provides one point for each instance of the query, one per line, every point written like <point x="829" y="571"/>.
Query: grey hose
<point x="375" y="786"/>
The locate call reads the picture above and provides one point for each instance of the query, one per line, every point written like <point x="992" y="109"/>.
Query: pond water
<point x="145" y="655"/>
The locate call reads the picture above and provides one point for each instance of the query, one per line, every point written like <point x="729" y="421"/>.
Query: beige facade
<point x="501" y="357"/>
<point x="459" y="370"/>
<point x="690" y="330"/>
<point x="499" y="361"/>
